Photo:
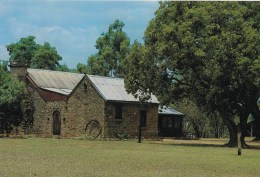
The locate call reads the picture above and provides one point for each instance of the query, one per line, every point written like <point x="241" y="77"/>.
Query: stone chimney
<point x="18" y="70"/>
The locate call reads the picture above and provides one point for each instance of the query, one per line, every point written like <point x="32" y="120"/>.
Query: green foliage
<point x="45" y="57"/>
<point x="136" y="79"/>
<point x="22" y="51"/>
<point x="81" y="68"/>
<point x="11" y="93"/>
<point x="10" y="88"/>
<point x="3" y="65"/>
<point x="112" y="48"/>
<point x="62" y="67"/>
<point x="206" y="51"/>
<point x="200" y="122"/>
<point x="194" y="118"/>
<point x="65" y="68"/>
<point x="34" y="55"/>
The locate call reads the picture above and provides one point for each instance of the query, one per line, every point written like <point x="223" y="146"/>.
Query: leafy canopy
<point x="22" y="51"/>
<point x="34" y="55"/>
<point x="11" y="93"/>
<point x="11" y="89"/>
<point x="206" y="51"/>
<point x="46" y="57"/>
<point x="112" y="48"/>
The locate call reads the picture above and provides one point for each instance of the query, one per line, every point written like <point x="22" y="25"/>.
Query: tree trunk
<point x="196" y="129"/>
<point x="256" y="113"/>
<point x="243" y="124"/>
<point x="257" y="128"/>
<point x="232" y="131"/>
<point x="216" y="134"/>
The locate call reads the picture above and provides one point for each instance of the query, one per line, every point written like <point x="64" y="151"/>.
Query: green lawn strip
<point x="68" y="157"/>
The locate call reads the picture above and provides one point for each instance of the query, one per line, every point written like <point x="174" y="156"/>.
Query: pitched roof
<point x="113" y="89"/>
<point x="168" y="111"/>
<point x="55" y="81"/>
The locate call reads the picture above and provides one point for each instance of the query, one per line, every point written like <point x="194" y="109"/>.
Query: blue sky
<point x="71" y="26"/>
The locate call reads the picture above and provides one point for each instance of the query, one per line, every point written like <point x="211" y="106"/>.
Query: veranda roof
<point x="168" y="111"/>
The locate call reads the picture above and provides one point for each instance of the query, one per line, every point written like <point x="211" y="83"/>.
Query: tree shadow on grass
<point x="191" y="145"/>
<point x="12" y="136"/>
<point x="254" y="146"/>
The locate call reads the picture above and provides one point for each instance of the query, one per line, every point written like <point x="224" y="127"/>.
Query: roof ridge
<point x="105" y="77"/>
<point x="110" y="84"/>
<point x="65" y="72"/>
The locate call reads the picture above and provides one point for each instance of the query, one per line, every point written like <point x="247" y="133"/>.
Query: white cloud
<point x="71" y="43"/>
<point x="72" y="27"/>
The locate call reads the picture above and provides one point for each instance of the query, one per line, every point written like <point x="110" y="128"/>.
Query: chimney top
<point x="16" y="64"/>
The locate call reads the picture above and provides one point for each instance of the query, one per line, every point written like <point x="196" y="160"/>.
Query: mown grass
<point x="70" y="158"/>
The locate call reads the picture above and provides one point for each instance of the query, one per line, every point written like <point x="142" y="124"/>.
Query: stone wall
<point x="42" y="124"/>
<point x="128" y="125"/>
<point x="84" y="105"/>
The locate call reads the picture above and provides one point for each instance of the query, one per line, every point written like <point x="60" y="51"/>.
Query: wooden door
<point x="56" y="123"/>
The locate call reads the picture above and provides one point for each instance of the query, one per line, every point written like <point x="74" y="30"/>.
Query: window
<point x="85" y="86"/>
<point x="170" y="122"/>
<point x="118" y="111"/>
<point x="143" y="118"/>
<point x="164" y="122"/>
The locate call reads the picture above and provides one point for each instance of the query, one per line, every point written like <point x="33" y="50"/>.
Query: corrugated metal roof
<point x="113" y="89"/>
<point x="167" y="110"/>
<point x="56" y="81"/>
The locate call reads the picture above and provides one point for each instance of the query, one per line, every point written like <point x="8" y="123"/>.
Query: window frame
<point x="118" y="111"/>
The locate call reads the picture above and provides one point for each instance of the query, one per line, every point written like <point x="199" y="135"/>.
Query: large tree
<point x="207" y="51"/>
<point x="34" y="55"/>
<point x="112" y="48"/>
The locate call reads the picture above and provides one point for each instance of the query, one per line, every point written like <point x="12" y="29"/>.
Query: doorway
<point x="56" y="123"/>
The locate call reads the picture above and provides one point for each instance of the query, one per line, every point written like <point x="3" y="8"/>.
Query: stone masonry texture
<point x="86" y="104"/>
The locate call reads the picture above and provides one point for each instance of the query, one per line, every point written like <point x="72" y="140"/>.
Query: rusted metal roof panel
<point x="51" y="96"/>
<point x="56" y="81"/>
<point x="61" y="91"/>
<point x="113" y="89"/>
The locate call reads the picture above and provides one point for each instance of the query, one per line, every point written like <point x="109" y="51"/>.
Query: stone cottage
<point x="71" y="105"/>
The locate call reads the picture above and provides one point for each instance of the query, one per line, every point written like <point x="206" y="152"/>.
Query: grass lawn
<point x="70" y="158"/>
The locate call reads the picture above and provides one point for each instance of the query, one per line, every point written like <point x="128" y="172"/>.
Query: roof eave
<point x="170" y="114"/>
<point x="125" y="101"/>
